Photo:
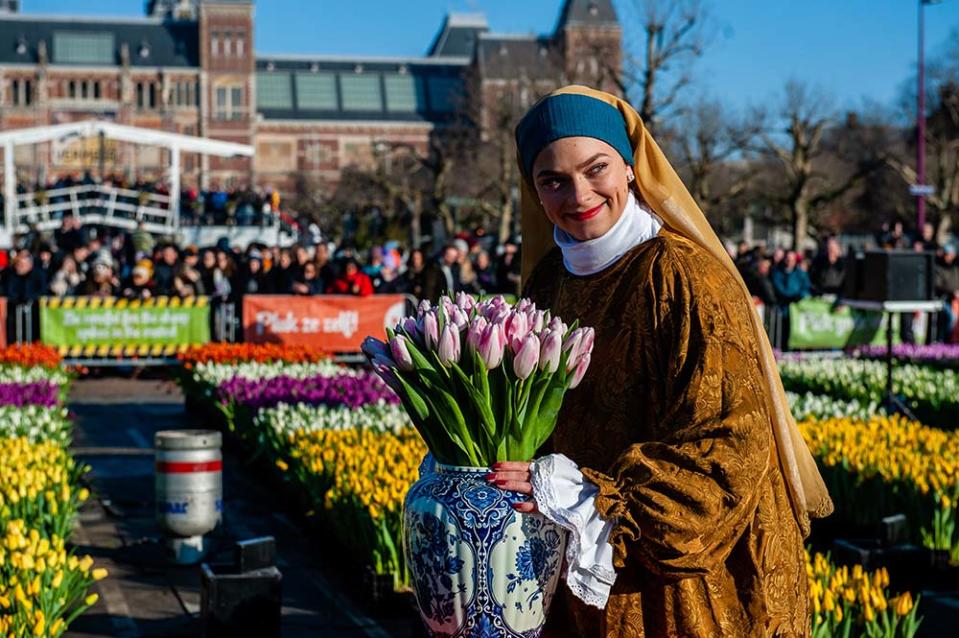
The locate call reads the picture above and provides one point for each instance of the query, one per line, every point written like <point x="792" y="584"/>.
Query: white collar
<point x="636" y="225"/>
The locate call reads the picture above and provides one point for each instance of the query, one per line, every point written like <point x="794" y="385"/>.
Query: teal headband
<point x="570" y="115"/>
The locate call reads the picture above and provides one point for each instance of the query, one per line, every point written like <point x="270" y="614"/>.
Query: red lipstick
<point x="589" y="214"/>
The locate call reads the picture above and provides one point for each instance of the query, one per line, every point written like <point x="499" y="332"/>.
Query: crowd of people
<point x="80" y="260"/>
<point x="781" y="277"/>
<point x="96" y="261"/>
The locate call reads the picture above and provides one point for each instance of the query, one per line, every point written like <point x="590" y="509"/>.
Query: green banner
<point x="819" y="324"/>
<point x="94" y="321"/>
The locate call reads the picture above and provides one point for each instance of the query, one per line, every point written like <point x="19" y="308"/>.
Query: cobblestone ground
<point x="116" y="419"/>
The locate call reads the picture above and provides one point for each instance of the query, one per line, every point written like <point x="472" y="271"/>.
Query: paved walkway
<point x="145" y="598"/>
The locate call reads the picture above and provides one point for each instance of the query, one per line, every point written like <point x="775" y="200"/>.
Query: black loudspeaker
<point x="894" y="275"/>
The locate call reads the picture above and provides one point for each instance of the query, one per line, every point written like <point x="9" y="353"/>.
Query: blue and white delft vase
<point x="479" y="568"/>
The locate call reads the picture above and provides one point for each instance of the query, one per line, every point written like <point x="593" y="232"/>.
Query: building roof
<point x="358" y="89"/>
<point x="458" y="35"/>
<point x="97" y="42"/>
<point x="502" y="56"/>
<point x="594" y="13"/>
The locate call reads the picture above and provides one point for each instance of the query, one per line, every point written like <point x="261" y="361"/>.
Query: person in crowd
<point x="465" y="274"/>
<point x="284" y="273"/>
<point x="255" y="280"/>
<point x="375" y="264"/>
<point x="207" y="270"/>
<point x="485" y="282"/>
<point x="759" y="282"/>
<point x="102" y="281"/>
<point x="828" y="269"/>
<point x="928" y="238"/>
<point x="301" y="255"/>
<point x="166" y="271"/>
<point x="423" y="278"/>
<point x="67" y="279"/>
<point x="323" y="263"/>
<point x="947" y="289"/>
<point x="308" y="282"/>
<point x="140" y="285"/>
<point x="224" y="276"/>
<point x="791" y="284"/>
<point x="450" y="268"/>
<point x="353" y="281"/>
<point x="143" y="242"/>
<point x="25" y="283"/>
<point x="508" y="270"/>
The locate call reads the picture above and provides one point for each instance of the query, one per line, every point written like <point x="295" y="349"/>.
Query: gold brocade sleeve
<point x="683" y="499"/>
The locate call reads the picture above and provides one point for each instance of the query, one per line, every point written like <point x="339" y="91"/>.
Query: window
<point x="84" y="85"/>
<point x="21" y="92"/>
<point x="361" y="92"/>
<point x="97" y="91"/>
<point x="83" y="48"/>
<point x="215" y="45"/>
<point x="72" y="89"/>
<point x="319" y="153"/>
<point x="227" y="44"/>
<point x="444" y="94"/>
<point x="229" y="103"/>
<point x="146" y="95"/>
<point x="404" y="93"/>
<point x="274" y="91"/>
<point x="316" y="91"/>
<point x="240" y="44"/>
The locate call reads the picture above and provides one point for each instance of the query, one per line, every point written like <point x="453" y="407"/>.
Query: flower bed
<point x="887" y="465"/>
<point x="939" y="354"/>
<point x="933" y="395"/>
<point x="854" y="602"/>
<point x="249" y="352"/>
<point x="43" y="585"/>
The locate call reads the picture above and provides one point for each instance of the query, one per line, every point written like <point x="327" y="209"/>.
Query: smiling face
<point x="583" y="184"/>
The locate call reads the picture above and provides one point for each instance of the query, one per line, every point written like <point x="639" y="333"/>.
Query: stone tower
<point x="590" y="38"/>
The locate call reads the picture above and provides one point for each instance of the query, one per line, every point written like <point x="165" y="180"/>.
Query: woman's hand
<point x="514" y="476"/>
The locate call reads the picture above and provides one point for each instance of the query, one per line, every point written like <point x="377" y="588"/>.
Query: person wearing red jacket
<point x="352" y="281"/>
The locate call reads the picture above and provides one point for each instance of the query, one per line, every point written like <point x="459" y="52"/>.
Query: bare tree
<point x="813" y="171"/>
<point x="670" y="35"/>
<point x="712" y="151"/>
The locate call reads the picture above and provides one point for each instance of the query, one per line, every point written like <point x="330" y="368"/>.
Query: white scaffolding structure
<point x="159" y="213"/>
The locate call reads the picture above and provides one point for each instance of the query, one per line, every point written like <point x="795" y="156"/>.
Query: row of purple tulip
<point x="335" y="391"/>
<point x="43" y="393"/>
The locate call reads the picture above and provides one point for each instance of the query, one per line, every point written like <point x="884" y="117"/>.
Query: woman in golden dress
<point x="676" y="465"/>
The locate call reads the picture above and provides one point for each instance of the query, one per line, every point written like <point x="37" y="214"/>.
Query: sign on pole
<point x="922" y="190"/>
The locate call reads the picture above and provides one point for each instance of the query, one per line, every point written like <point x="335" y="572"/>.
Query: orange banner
<point x="334" y="323"/>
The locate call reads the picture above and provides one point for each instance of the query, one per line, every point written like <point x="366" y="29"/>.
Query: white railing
<point x="95" y="204"/>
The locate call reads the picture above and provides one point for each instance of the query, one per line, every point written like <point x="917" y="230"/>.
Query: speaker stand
<point x="891" y="309"/>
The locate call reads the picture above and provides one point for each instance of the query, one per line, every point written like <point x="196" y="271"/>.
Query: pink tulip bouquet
<point x="482" y="381"/>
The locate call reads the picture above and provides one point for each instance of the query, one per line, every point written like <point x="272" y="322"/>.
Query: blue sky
<point x="854" y="50"/>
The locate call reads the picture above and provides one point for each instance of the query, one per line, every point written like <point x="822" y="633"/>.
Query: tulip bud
<point x="526" y="305"/>
<point x="475" y="332"/>
<point x="580" y="371"/>
<point x="408" y="325"/>
<point x="401" y="353"/>
<point x="517" y="327"/>
<point x="525" y="360"/>
<point x="372" y="347"/>
<point x="492" y="345"/>
<point x="465" y="301"/>
<point x="423" y="307"/>
<point x="536" y="321"/>
<point x="459" y="317"/>
<point x="586" y="343"/>
<point x="448" y="346"/>
<point x="556" y="325"/>
<point x="571" y="347"/>
<point x="429" y="328"/>
<point x="552" y="344"/>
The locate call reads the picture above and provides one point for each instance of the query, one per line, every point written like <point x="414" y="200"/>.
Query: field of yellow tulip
<point x="44" y="586"/>
<point x="854" y="602"/>
<point x="885" y="465"/>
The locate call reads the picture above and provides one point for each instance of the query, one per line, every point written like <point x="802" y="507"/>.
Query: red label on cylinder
<point x="168" y="467"/>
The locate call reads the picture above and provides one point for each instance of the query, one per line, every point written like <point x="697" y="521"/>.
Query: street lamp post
<point x="921" y="188"/>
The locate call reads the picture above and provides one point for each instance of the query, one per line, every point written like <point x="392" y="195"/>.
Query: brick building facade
<point x="190" y="66"/>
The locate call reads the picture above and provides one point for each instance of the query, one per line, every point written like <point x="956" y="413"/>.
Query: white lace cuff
<point x="565" y="497"/>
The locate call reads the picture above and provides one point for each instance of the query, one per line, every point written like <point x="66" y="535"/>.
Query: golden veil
<point x="665" y="193"/>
